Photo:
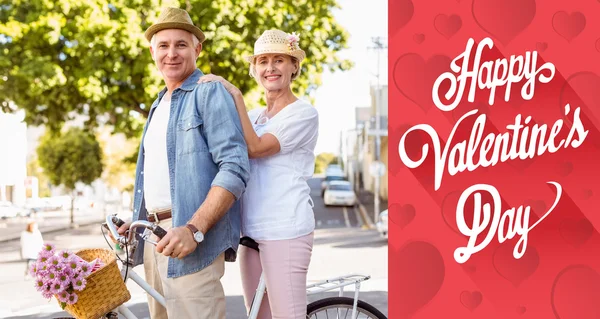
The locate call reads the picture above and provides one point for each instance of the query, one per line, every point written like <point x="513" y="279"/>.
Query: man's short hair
<point x="195" y="41"/>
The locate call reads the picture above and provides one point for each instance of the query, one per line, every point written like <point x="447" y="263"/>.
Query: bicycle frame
<point x="128" y="273"/>
<point x="322" y="286"/>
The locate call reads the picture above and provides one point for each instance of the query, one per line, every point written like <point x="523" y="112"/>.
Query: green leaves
<point x="67" y="57"/>
<point x="69" y="158"/>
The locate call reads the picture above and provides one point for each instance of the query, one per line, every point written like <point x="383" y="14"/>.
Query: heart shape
<point x="567" y="25"/>
<point x="521" y="310"/>
<point x="576" y="232"/>
<point x="565" y="168"/>
<point x="418" y="275"/>
<point x="419" y="38"/>
<point x="471" y="300"/>
<point x="414" y="77"/>
<point x="492" y="16"/>
<point x="515" y="270"/>
<point x="403" y="13"/>
<point x="541" y="46"/>
<point x="402" y="215"/>
<point x="469" y="268"/>
<point x="447" y="25"/>
<point x="538" y="207"/>
<point x="575" y="293"/>
<point x="581" y="90"/>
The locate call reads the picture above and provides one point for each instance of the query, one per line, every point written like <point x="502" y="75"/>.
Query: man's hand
<point x="121" y="230"/>
<point x="178" y="243"/>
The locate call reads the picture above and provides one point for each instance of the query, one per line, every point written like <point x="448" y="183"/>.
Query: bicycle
<point x="321" y="308"/>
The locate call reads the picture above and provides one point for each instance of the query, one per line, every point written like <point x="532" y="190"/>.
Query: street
<point x="342" y="246"/>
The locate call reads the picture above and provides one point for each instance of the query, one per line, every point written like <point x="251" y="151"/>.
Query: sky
<point x="342" y="92"/>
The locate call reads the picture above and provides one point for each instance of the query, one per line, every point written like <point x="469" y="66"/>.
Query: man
<point x="191" y="169"/>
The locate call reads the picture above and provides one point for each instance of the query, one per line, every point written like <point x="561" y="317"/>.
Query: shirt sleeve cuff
<point x="231" y="182"/>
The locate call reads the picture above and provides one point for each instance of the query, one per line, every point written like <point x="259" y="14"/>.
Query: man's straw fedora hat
<point x="174" y="18"/>
<point x="277" y="41"/>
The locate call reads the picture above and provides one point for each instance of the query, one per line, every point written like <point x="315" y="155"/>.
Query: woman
<point x="276" y="206"/>
<point x="31" y="244"/>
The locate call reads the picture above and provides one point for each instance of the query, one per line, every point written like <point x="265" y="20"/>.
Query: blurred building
<point x="13" y="164"/>
<point x="362" y="153"/>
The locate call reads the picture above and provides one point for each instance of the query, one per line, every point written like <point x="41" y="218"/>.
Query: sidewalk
<point x="367" y="206"/>
<point x="11" y="230"/>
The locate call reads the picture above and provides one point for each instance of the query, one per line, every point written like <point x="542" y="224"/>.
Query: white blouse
<point x="276" y="204"/>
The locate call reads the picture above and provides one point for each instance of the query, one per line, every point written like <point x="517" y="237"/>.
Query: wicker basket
<point x="105" y="289"/>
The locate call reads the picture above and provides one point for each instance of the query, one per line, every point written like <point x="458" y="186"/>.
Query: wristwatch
<point x="198" y="235"/>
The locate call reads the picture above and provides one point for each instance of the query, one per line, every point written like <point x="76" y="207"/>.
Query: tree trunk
<point x="73" y="208"/>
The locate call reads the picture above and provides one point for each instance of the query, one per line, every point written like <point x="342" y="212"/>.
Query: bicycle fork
<point x="258" y="296"/>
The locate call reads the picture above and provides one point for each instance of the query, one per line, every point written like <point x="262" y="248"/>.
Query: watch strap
<point x="192" y="228"/>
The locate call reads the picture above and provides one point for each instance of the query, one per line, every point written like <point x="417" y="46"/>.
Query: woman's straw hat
<point x="277" y="41"/>
<point x="174" y="18"/>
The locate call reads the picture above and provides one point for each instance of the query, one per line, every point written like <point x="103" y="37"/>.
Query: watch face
<point x="198" y="237"/>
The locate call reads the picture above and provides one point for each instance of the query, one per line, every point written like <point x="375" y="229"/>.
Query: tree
<point x="34" y="169"/>
<point x="70" y="158"/>
<point x="63" y="58"/>
<point x="324" y="159"/>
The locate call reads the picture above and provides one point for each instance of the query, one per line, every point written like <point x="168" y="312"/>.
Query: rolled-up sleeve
<point x="225" y="138"/>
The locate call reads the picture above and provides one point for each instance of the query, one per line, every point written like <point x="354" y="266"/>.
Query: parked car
<point x="328" y="179"/>
<point x="339" y="193"/>
<point x="8" y="210"/>
<point x="36" y="205"/>
<point x="382" y="223"/>
<point x="334" y="169"/>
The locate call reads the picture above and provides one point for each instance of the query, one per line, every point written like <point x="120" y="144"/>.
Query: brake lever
<point x="146" y="237"/>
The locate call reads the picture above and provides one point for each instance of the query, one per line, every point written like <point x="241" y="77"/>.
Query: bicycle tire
<point x="345" y="303"/>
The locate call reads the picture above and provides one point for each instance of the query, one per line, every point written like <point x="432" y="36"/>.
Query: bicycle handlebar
<point x="112" y="222"/>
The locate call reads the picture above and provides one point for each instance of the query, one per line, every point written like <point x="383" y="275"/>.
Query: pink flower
<point x="56" y="286"/>
<point x="78" y="284"/>
<point x="63" y="296"/>
<point x="293" y="40"/>
<point x="51" y="275"/>
<point x="40" y="285"/>
<point x="53" y="261"/>
<point x="33" y="269"/>
<point x="72" y="299"/>
<point x="49" y="248"/>
<point x="65" y="255"/>
<point x="72" y="264"/>
<point x="47" y="294"/>
<point x="43" y="258"/>
<point x="85" y="270"/>
<point x="64" y="278"/>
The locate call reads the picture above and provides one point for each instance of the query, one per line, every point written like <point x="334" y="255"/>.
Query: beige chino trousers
<point x="195" y="296"/>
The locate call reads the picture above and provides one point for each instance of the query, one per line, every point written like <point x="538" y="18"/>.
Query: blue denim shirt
<point x="205" y="148"/>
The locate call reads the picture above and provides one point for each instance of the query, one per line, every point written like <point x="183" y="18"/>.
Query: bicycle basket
<point x="105" y="289"/>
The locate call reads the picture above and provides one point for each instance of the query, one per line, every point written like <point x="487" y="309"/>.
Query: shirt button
<point x="135" y="210"/>
<point x="139" y="190"/>
<point x="142" y="172"/>
<point x="189" y="124"/>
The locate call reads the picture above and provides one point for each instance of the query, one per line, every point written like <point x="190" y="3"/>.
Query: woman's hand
<point x="234" y="91"/>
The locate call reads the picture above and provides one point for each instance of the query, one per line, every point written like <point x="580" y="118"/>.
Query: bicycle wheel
<point x="341" y="307"/>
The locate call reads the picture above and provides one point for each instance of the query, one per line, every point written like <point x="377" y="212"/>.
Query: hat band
<point x="272" y="47"/>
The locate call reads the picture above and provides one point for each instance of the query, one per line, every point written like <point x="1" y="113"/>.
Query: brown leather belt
<point x="155" y="217"/>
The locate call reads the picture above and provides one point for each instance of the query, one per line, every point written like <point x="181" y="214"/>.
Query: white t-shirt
<point x="157" y="193"/>
<point x="31" y="244"/>
<point x="276" y="204"/>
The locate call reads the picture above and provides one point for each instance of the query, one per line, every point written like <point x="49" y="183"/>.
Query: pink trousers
<point x="285" y="264"/>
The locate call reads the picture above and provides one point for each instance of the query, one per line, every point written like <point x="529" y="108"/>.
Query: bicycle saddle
<point x="249" y="242"/>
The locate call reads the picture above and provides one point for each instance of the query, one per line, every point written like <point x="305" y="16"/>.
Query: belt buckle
<point x="155" y="214"/>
